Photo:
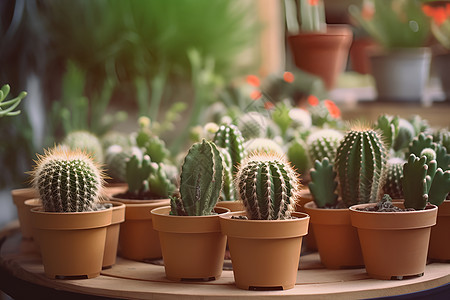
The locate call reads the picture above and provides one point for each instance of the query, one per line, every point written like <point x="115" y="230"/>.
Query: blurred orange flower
<point x="268" y="105"/>
<point x="312" y="100"/>
<point x="253" y="80"/>
<point x="334" y="111"/>
<point x="438" y="13"/>
<point x="288" y="77"/>
<point x="313" y="2"/>
<point x="255" y="95"/>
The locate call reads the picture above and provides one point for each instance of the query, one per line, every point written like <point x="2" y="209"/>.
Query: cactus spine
<point x="137" y="172"/>
<point x="85" y="141"/>
<point x="414" y="182"/>
<point x="394" y="172"/>
<point x="67" y="181"/>
<point x="298" y="155"/>
<point x="324" y="143"/>
<point x="228" y="191"/>
<point x="360" y="161"/>
<point x="230" y="138"/>
<point x="268" y="187"/>
<point x="201" y="181"/>
<point x="323" y="184"/>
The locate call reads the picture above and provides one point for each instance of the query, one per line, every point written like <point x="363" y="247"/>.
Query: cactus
<point x="201" y="181"/>
<point x="137" y="172"/>
<point x="253" y="125"/>
<point x="323" y="143"/>
<point x="298" y="155"/>
<point x="440" y="187"/>
<point x="159" y="181"/>
<point x="228" y="191"/>
<point x="388" y="126"/>
<point x="262" y="145"/>
<point x="405" y="135"/>
<point x="423" y="141"/>
<point x="394" y="172"/>
<point x="115" y="138"/>
<point x="323" y="184"/>
<point x="268" y="186"/>
<point x="414" y="182"/>
<point x="67" y="181"/>
<point x="230" y="138"/>
<point x="360" y="161"/>
<point x="85" y="141"/>
<point x="153" y="145"/>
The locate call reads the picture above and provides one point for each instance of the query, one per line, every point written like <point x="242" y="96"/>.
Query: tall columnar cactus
<point x="201" y="181"/>
<point x="414" y="182"/>
<point x="323" y="184"/>
<point x="228" y="191"/>
<point x="268" y="186"/>
<point x="360" y="161"/>
<point x="230" y="138"/>
<point x="85" y="141"/>
<point x="67" y="181"/>
<point x="394" y="172"/>
<point x="388" y="126"/>
<point x="323" y="143"/>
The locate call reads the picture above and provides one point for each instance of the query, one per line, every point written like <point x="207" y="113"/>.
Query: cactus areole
<point x="360" y="161"/>
<point x="268" y="186"/>
<point x="67" y="181"/>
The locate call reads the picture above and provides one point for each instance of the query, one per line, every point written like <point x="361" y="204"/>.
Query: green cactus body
<point x="159" y="181"/>
<point x="414" y="182"/>
<point x="67" y="181"/>
<point x="228" y="191"/>
<point x="230" y="138"/>
<point x="440" y="187"/>
<point x="419" y="143"/>
<point x="268" y="186"/>
<point x="298" y="155"/>
<point x="394" y="172"/>
<point x="137" y="172"/>
<point x="262" y="145"/>
<point x="323" y="184"/>
<point x="253" y="125"/>
<point x="388" y="126"/>
<point x="116" y="158"/>
<point x="323" y="143"/>
<point x="360" y="161"/>
<point x="404" y="136"/>
<point x="85" y="141"/>
<point x="201" y="181"/>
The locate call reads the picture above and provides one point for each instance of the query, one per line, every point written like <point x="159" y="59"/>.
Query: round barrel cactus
<point x="85" y="141"/>
<point x="323" y="143"/>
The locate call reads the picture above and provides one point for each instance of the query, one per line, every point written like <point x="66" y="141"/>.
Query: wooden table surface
<point x="138" y="280"/>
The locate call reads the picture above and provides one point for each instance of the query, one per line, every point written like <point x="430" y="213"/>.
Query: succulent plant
<point x="440" y="187"/>
<point x="153" y="145"/>
<point x="137" y="172"/>
<point x="388" y="126"/>
<point x="228" y="191"/>
<point x="115" y="138"/>
<point x="85" y="141"/>
<point x="253" y="125"/>
<point x="392" y="183"/>
<point x="268" y="186"/>
<point x="116" y="158"/>
<point x="201" y="181"/>
<point x="159" y="181"/>
<point x="7" y="107"/>
<point x="229" y="137"/>
<point x="262" y="145"/>
<point x="424" y="141"/>
<point x="324" y="143"/>
<point x="360" y="162"/>
<point x="298" y="155"/>
<point x="323" y="184"/>
<point x="67" y="181"/>
<point x="405" y="135"/>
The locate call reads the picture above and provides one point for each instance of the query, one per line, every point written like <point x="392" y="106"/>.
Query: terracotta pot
<point x="72" y="244"/>
<point x="309" y="239"/>
<point x="439" y="239"/>
<point x="111" y="189"/>
<point x="265" y="253"/>
<point x="138" y="240"/>
<point x="323" y="54"/>
<point x="30" y="204"/>
<point x="401" y="74"/>
<point x="112" y="234"/>
<point x="19" y="197"/>
<point x="394" y="244"/>
<point x="231" y="205"/>
<point x="360" y="51"/>
<point x="193" y="247"/>
<point x="337" y="240"/>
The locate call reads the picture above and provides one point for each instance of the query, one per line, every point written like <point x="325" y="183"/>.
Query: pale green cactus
<point x="298" y="155"/>
<point x="323" y="184"/>
<point x="394" y="172"/>
<point x="263" y="145"/>
<point x="414" y="182"/>
<point x="228" y="136"/>
<point x="253" y="125"/>
<point x="85" y="141"/>
<point x="324" y="143"/>
<point x="228" y="191"/>
<point x="389" y="128"/>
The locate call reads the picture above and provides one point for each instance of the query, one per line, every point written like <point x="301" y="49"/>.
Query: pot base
<point x="393" y="277"/>
<point x="206" y="279"/>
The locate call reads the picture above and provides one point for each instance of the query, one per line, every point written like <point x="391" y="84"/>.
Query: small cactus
<point x="388" y="127"/>
<point x="298" y="155"/>
<point x="201" y="181"/>
<point x="323" y="184"/>
<point x="137" y="172"/>
<point x="85" y="141"/>
<point x="360" y="161"/>
<point x="324" y="143"/>
<point x="405" y="135"/>
<point x="414" y="182"/>
<point x="262" y="145"/>
<point x="394" y="172"/>
<point x="230" y="138"/>
<point x="116" y="158"/>
<point x="440" y="187"/>
<point x="67" y="181"/>
<point x="228" y="191"/>
<point x="253" y="125"/>
<point x="268" y="186"/>
<point x="159" y="181"/>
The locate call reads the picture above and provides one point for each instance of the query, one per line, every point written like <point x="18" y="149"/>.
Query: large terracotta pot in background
<point x="138" y="240"/>
<point x="112" y="234"/>
<point x="72" y="244"/>
<point x="309" y="239"/>
<point x="193" y="247"/>
<point x="401" y="74"/>
<point x="265" y="253"/>
<point x="440" y="234"/>
<point x="322" y="54"/>
<point x="394" y="244"/>
<point x="337" y="240"/>
<point x="19" y="196"/>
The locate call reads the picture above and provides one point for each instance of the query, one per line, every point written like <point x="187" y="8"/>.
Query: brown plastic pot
<point x="322" y="54"/>
<point x="440" y="234"/>
<point x="394" y="244"/>
<point x="138" y="240"/>
<point x="231" y="205"/>
<point x="193" y="247"/>
<point x="30" y="204"/>
<point x="309" y="239"/>
<point x="72" y="244"/>
<point x="19" y="196"/>
<point x="265" y="253"/>
<point x="112" y="234"/>
<point x="337" y="240"/>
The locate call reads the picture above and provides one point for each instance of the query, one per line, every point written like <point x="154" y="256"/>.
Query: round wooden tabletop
<point x="137" y="280"/>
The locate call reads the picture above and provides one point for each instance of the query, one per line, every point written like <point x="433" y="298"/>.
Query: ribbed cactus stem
<point x="414" y="182"/>
<point x="360" y="161"/>
<point x="394" y="172"/>
<point x="230" y="138"/>
<point x="440" y="187"/>
<point x="137" y="171"/>
<point x="323" y="184"/>
<point x="324" y="143"/>
<point x="67" y="181"/>
<point x="228" y="191"/>
<point x="268" y="187"/>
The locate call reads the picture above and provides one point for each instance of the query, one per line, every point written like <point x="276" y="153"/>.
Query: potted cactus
<point x="269" y="188"/>
<point x="71" y="225"/>
<point x="358" y="165"/>
<point x="192" y="244"/>
<point x="402" y="229"/>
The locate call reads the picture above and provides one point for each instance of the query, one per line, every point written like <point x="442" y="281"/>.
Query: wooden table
<point x="19" y="261"/>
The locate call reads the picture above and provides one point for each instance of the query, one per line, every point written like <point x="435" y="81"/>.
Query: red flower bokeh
<point x="334" y="111"/>
<point x="253" y="80"/>
<point x="312" y="100"/>
<point x="288" y="77"/>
